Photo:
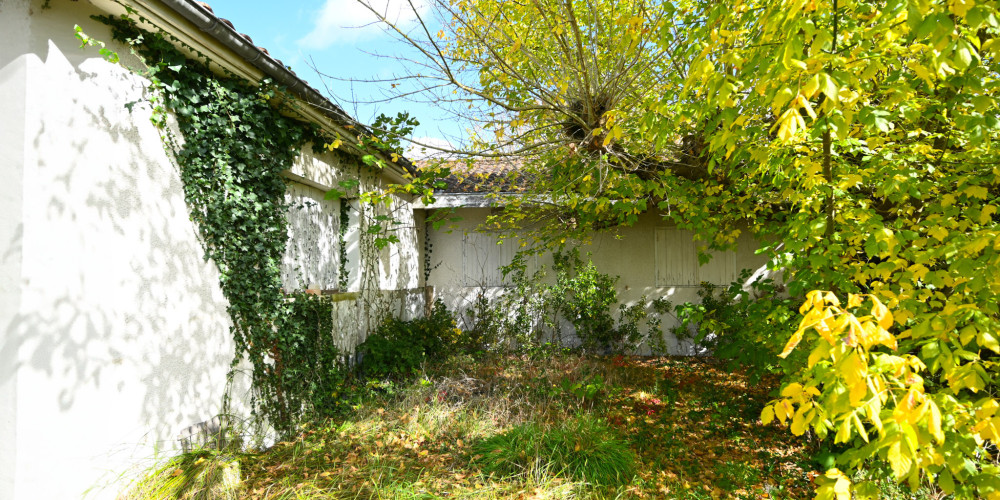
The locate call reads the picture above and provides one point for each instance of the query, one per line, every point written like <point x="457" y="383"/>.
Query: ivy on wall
<point x="344" y="277"/>
<point x="236" y="143"/>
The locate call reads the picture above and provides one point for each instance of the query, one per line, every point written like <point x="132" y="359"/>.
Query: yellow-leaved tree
<point x="858" y="138"/>
<point x="876" y="123"/>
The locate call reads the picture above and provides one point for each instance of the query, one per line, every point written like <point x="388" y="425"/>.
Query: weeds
<point x="583" y="448"/>
<point x="529" y="428"/>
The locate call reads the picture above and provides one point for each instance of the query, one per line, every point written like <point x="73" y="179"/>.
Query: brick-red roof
<point x="484" y="176"/>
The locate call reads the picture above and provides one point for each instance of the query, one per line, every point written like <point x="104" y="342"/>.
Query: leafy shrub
<point x="582" y="448"/>
<point x="584" y="391"/>
<point x="737" y="325"/>
<point x="483" y="326"/>
<point x="523" y="305"/>
<point x="586" y="297"/>
<point x="530" y="313"/>
<point x="399" y="348"/>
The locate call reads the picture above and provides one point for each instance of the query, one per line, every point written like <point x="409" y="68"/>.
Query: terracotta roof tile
<point x="485" y="175"/>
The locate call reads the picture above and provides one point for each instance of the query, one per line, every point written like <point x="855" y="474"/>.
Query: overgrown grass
<point x="558" y="426"/>
<point x="582" y="448"/>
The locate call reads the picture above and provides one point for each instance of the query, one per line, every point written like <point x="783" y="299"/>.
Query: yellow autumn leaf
<point x="792" y="390"/>
<point x="859" y="426"/>
<point x="820" y="352"/>
<point x="789" y="124"/>
<point x="767" y="415"/>
<point x="802" y="102"/>
<point x="798" y="426"/>
<point x="843" y="431"/>
<point x="934" y="422"/>
<point x="910" y="408"/>
<point x="986" y="215"/>
<point x="783" y="409"/>
<point x="961" y="7"/>
<point x="853" y="370"/>
<point x="979" y="192"/>
<point x="811" y="87"/>
<point x="881" y="313"/>
<point x="939" y="233"/>
<point x="833" y="485"/>
<point x="918" y="270"/>
<point x="792" y="342"/>
<point x="899" y="459"/>
<point x="989" y="341"/>
<point x="854" y="300"/>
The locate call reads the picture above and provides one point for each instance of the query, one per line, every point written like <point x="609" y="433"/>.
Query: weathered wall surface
<point x="115" y="331"/>
<point x="651" y="259"/>
<point x="120" y="335"/>
<point x="312" y="259"/>
<point x="13" y="92"/>
<point x="312" y="256"/>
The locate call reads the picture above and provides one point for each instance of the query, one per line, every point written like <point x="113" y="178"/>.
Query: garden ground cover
<point x="687" y="428"/>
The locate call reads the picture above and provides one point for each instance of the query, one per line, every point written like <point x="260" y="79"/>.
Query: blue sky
<point x="332" y="34"/>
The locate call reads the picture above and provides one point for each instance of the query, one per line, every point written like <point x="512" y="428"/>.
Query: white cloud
<point x="349" y="21"/>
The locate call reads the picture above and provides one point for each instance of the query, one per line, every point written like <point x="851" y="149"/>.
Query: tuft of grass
<point x="197" y="475"/>
<point x="582" y="448"/>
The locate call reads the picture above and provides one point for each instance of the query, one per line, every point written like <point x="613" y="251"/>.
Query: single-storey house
<point x="115" y="333"/>
<point x="652" y="258"/>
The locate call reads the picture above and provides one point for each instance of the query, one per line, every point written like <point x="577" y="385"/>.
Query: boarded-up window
<point x="721" y="270"/>
<point x="677" y="261"/>
<point x="676" y="257"/>
<point x="312" y="257"/>
<point x="483" y="258"/>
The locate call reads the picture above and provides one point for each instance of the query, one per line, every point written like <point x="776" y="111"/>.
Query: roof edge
<point x="318" y="106"/>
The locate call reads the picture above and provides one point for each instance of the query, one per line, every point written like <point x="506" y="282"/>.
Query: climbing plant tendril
<point x="234" y="143"/>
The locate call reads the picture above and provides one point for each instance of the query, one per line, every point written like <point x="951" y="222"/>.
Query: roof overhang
<point x="462" y="200"/>
<point x="203" y="32"/>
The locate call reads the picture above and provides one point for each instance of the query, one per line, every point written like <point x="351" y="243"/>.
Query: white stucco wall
<point x="313" y="254"/>
<point x="312" y="258"/>
<point x="650" y="258"/>
<point x="115" y="329"/>
<point x="13" y="90"/>
<point x="115" y="332"/>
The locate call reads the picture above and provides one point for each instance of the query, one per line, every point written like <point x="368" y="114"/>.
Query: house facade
<point x="652" y="258"/>
<point x="115" y="334"/>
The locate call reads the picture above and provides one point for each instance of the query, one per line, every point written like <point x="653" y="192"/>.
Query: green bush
<point x="398" y="348"/>
<point x="582" y="448"/>
<point x="483" y="326"/>
<point x="737" y="325"/>
<point x="586" y="298"/>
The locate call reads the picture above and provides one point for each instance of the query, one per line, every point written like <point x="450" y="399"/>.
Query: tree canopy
<point x="855" y="139"/>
